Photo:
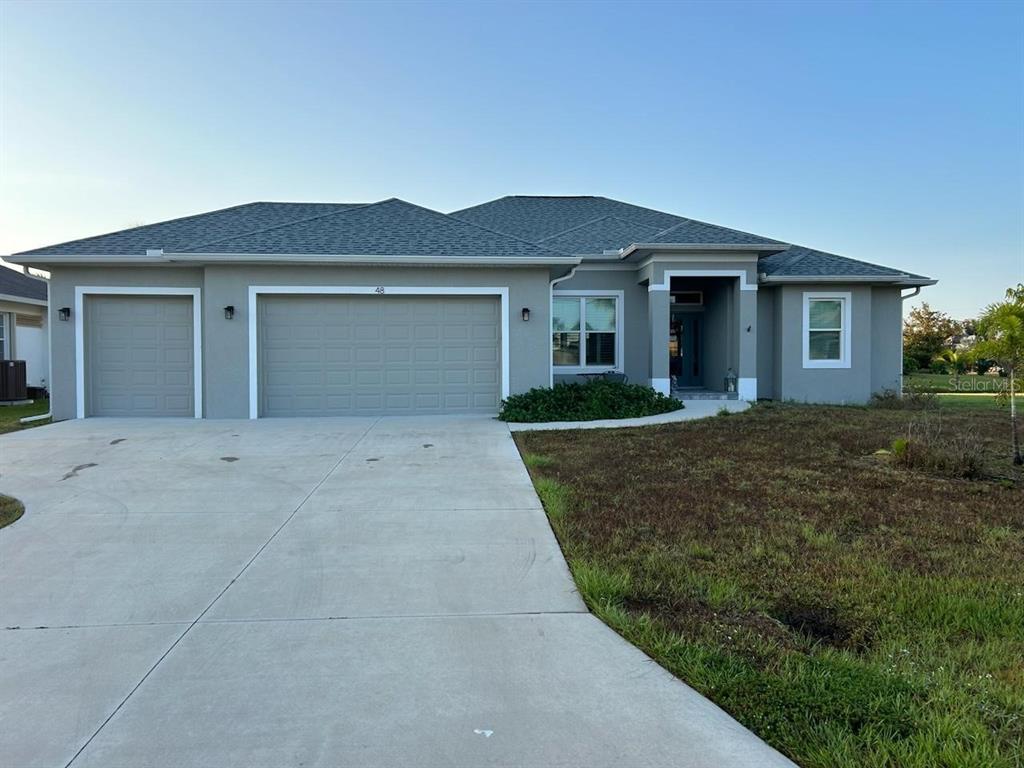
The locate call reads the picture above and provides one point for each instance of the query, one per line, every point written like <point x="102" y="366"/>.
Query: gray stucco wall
<point x="636" y="339"/>
<point x="766" y="343"/>
<point x="226" y="342"/>
<point x="886" y="339"/>
<point x="838" y="385"/>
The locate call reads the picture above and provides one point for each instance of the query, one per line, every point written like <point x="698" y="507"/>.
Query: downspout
<point x="551" y="308"/>
<point x="49" y="360"/>
<point x="903" y="298"/>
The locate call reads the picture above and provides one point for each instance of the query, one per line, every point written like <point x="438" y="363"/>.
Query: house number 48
<point x="379" y="289"/>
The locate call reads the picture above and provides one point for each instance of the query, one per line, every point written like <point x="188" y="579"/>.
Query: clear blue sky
<point x="887" y="132"/>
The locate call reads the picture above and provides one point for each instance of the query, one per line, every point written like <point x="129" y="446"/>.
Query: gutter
<point x="551" y="308"/>
<point x="900" y="279"/>
<point x="157" y="257"/>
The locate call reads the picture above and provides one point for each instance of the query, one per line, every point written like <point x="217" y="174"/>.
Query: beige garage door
<point x="372" y="355"/>
<point x="138" y="356"/>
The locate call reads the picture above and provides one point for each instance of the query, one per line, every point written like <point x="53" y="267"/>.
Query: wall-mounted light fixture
<point x="64" y="313"/>
<point x="526" y="314"/>
<point x="229" y="312"/>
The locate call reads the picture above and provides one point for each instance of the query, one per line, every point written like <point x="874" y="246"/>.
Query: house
<point x="310" y="309"/>
<point x="23" y="324"/>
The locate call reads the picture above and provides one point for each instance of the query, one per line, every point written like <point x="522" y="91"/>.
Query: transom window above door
<point x="586" y="331"/>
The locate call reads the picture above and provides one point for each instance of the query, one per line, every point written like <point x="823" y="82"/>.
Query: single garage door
<point x="371" y="355"/>
<point x="138" y="356"/>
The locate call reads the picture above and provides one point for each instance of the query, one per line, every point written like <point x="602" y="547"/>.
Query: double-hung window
<point x="826" y="330"/>
<point x="586" y="333"/>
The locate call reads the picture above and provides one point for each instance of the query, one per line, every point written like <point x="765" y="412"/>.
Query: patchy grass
<point x="11" y="414"/>
<point x="10" y="510"/>
<point x="849" y="610"/>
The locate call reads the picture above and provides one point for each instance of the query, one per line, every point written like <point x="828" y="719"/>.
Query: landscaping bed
<point x="591" y="401"/>
<point x="852" y="607"/>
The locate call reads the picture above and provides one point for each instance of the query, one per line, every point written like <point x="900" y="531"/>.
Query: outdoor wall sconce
<point x="64" y="313"/>
<point x="229" y="312"/>
<point x="526" y="314"/>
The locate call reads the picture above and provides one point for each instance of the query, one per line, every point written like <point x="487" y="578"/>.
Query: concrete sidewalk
<point x="316" y="592"/>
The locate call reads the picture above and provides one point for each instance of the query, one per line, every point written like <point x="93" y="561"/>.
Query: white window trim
<point x="81" y="291"/>
<point x="6" y="352"/>
<point x="569" y="370"/>
<point x="845" y="337"/>
<point x="368" y="290"/>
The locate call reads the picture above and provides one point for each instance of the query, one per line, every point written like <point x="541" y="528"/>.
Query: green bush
<point x="586" y="402"/>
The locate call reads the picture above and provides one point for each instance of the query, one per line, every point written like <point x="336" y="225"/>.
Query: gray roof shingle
<point x="537" y="218"/>
<point x="14" y="283"/>
<point x="605" y="234"/>
<point x="799" y="261"/>
<point x="388" y="228"/>
<point x="181" y="234"/>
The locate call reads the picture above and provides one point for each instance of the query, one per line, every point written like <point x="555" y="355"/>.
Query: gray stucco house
<point x="287" y="309"/>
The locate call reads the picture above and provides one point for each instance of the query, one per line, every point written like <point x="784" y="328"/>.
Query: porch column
<point x="747" y="364"/>
<point x="658" y="300"/>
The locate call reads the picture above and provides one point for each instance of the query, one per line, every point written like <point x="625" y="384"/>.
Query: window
<point x="4" y="336"/>
<point x="585" y="331"/>
<point x="826" y="330"/>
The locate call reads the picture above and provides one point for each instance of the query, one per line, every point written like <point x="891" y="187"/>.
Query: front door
<point x="685" y="350"/>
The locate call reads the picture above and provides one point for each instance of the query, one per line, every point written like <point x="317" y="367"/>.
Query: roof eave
<point x="900" y="279"/>
<point x="766" y="248"/>
<point x="15" y="299"/>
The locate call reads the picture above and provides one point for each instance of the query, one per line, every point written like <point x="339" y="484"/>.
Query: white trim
<point x="569" y="370"/>
<point x="662" y="385"/>
<point x="369" y="290"/>
<point x="746" y="387"/>
<point x="7" y="350"/>
<point x="845" y="338"/>
<point x="22" y="300"/>
<point x="670" y="273"/>
<point x="81" y="291"/>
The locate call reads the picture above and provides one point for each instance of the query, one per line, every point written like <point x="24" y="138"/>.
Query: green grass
<point x="979" y="402"/>
<point x="944" y="382"/>
<point x="11" y="414"/>
<point x="10" y="510"/>
<point x="850" y="611"/>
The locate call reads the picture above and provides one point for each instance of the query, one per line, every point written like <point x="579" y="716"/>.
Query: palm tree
<point x="955" y="361"/>
<point x="1001" y="332"/>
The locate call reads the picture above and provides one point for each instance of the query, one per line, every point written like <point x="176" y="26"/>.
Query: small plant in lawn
<point x="926" y="446"/>
<point x="910" y="400"/>
<point x="586" y="402"/>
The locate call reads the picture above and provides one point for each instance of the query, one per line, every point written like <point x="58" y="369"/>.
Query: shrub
<point x="910" y="365"/>
<point x="928" y="447"/>
<point x="586" y="402"/>
<point x="910" y="400"/>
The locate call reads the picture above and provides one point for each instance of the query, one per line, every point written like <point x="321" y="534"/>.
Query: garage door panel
<point x="373" y="354"/>
<point x="139" y="356"/>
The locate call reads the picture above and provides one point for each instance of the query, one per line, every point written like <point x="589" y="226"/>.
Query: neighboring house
<point x="23" y="324"/>
<point x="303" y="309"/>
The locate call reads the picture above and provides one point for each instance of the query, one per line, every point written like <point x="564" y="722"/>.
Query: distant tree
<point x="1001" y="338"/>
<point x="927" y="332"/>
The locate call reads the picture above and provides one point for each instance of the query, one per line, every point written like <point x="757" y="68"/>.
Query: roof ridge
<point x="140" y="226"/>
<point x="357" y="207"/>
<point x="485" y="229"/>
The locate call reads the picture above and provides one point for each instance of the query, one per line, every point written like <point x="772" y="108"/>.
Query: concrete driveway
<point x="329" y="592"/>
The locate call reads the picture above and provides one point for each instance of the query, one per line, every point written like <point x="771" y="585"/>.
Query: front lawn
<point x="849" y="610"/>
<point x="10" y="415"/>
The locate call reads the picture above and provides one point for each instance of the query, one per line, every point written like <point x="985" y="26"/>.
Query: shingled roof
<point x="595" y="225"/>
<point x="14" y="283"/>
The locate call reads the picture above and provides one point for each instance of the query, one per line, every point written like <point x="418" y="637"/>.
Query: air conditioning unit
<point x="13" y="380"/>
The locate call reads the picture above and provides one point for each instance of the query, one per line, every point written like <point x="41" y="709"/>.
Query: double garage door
<point x="318" y="355"/>
<point x="371" y="355"/>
